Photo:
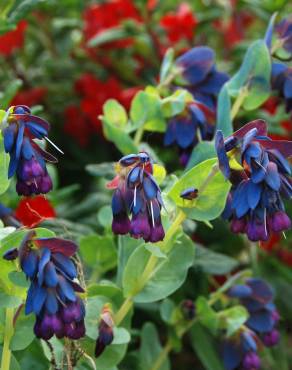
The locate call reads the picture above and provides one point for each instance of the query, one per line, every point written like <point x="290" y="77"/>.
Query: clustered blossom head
<point x="257" y="297"/>
<point x="195" y="123"/>
<point x="52" y="294"/>
<point x="282" y="82"/>
<point x="27" y="159"/>
<point x="255" y="204"/>
<point x="200" y="76"/>
<point x="137" y="193"/>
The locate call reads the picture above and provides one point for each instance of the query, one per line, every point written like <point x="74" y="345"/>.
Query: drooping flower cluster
<point x="27" y="159"/>
<point x="200" y="76"/>
<point x="282" y="82"/>
<point x="284" y="33"/>
<point x="196" y="72"/>
<point x="137" y="193"/>
<point x="195" y="123"/>
<point x="53" y="286"/>
<point x="255" y="203"/>
<point x="241" y="351"/>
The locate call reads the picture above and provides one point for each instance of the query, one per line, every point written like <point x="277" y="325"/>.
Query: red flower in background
<point x="101" y="17"/>
<point x="82" y="121"/>
<point x="271" y="106"/>
<point x="32" y="211"/>
<point x="179" y="25"/>
<point x="30" y="97"/>
<point x="233" y="29"/>
<point x="13" y="40"/>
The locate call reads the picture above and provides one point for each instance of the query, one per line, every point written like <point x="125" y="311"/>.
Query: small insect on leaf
<point x="189" y="194"/>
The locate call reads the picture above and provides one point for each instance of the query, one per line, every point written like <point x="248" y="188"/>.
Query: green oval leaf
<point x="211" y="202"/>
<point x="168" y="275"/>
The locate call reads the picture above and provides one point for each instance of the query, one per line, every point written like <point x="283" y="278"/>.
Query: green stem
<point x="8" y="332"/>
<point x="253" y="252"/>
<point x="149" y="268"/>
<point x="238" y="102"/>
<point x="138" y="135"/>
<point x="124" y="309"/>
<point x="168" y="347"/>
<point x="162" y="356"/>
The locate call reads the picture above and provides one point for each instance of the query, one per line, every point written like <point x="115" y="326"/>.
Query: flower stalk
<point x="8" y="333"/>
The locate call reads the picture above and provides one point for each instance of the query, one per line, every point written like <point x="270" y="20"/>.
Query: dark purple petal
<point x="251" y="361"/>
<point x="254" y="192"/>
<point x="238" y="225"/>
<point x="67" y="289"/>
<point x="51" y="277"/>
<point x="261" y="290"/>
<point x="9" y="137"/>
<point x="272" y="338"/>
<point x="279" y="222"/>
<point x="140" y="227"/>
<point x="121" y="224"/>
<point x="272" y="177"/>
<point x="257" y="231"/>
<point x="51" y="302"/>
<point x="45" y="258"/>
<point x="29" y="264"/>
<point x="283" y="146"/>
<point x="196" y="64"/>
<point x="184" y="132"/>
<point x="232" y="355"/>
<point x="39" y="297"/>
<point x="259" y="124"/>
<point x="260" y="321"/>
<point x="150" y="188"/>
<point x="221" y="153"/>
<point x="65" y="265"/>
<point x="239" y="291"/>
<point x="56" y="245"/>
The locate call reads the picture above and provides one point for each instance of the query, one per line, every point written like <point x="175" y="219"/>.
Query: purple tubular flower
<point x="186" y="128"/>
<point x="200" y="75"/>
<point x="27" y="159"/>
<point x="257" y="297"/>
<point x="137" y="194"/>
<point x="284" y="32"/>
<point x="52" y="293"/>
<point x="239" y="351"/>
<point x="105" y="331"/>
<point x="282" y="82"/>
<point x="255" y="204"/>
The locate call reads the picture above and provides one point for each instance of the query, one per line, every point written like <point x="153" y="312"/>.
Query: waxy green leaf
<point x="211" y="201"/>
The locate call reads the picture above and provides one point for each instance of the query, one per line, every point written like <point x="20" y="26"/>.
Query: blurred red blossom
<point x="180" y="24"/>
<point x="13" y="40"/>
<point x="271" y="106"/>
<point x="234" y="27"/>
<point x="81" y="121"/>
<point x="30" y="97"/>
<point x="101" y="17"/>
<point x="32" y="211"/>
